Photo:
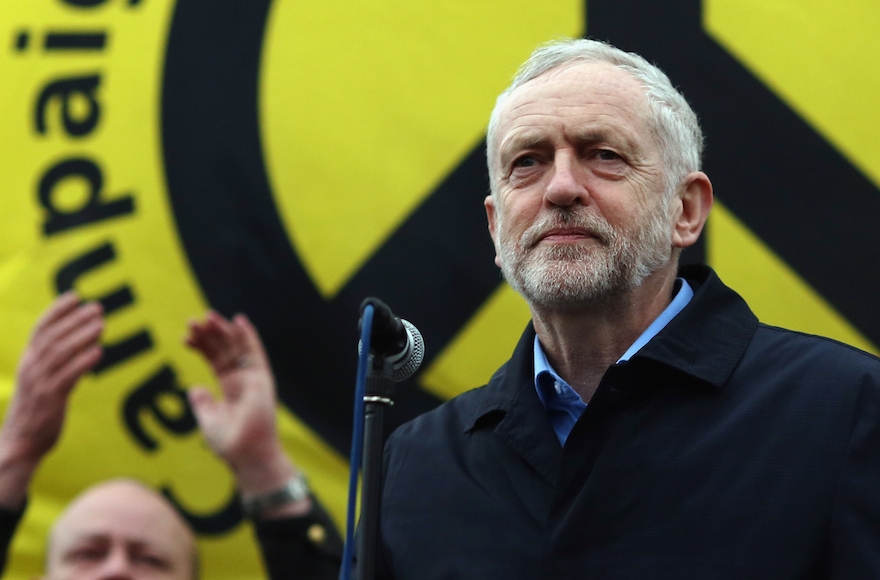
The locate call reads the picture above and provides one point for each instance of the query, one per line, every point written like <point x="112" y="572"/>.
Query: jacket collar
<point x="706" y="340"/>
<point x="709" y="337"/>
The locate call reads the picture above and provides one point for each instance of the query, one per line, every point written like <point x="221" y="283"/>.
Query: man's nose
<point x="567" y="185"/>
<point x="117" y="566"/>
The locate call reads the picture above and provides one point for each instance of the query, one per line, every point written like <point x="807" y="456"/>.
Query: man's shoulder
<point x="793" y="346"/>
<point x="829" y="369"/>
<point x="465" y="411"/>
<point x="455" y="415"/>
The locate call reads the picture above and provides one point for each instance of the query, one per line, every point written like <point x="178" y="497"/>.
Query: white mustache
<point x="589" y="222"/>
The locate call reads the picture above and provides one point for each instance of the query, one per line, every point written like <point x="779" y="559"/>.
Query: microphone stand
<point x="377" y="397"/>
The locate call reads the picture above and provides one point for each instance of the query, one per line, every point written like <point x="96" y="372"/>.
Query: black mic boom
<point x="394" y="339"/>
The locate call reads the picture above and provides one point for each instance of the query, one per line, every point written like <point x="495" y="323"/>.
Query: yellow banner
<point x="135" y="133"/>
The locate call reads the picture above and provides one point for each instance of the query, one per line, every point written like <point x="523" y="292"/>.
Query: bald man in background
<point x="115" y="529"/>
<point x="121" y="528"/>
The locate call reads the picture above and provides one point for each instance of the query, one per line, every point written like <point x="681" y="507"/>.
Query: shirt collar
<point x="682" y="297"/>
<point x="558" y="386"/>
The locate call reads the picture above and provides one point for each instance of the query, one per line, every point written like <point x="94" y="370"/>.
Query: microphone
<point x="394" y="339"/>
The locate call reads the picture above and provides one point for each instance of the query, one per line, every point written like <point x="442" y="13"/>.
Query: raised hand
<point x="62" y="348"/>
<point x="240" y="427"/>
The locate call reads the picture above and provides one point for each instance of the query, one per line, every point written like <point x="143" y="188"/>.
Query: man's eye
<point x="152" y="561"/>
<point x="607" y="155"/>
<point x="525" y="161"/>
<point x="86" y="555"/>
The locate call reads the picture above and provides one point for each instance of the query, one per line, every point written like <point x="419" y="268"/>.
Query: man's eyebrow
<point x="615" y="138"/>
<point x="518" y="142"/>
<point x="93" y="537"/>
<point x="589" y="136"/>
<point x="592" y="136"/>
<point x="86" y="540"/>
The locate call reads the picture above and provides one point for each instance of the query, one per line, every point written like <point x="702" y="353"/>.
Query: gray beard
<point x="567" y="276"/>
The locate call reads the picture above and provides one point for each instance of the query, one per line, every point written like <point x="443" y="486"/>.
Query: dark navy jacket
<point x="723" y="449"/>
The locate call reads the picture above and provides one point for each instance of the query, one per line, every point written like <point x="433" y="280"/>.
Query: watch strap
<point x="296" y="489"/>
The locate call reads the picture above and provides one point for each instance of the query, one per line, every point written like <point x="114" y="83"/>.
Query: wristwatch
<point x="296" y="489"/>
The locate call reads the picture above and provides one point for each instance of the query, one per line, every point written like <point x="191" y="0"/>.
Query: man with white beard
<point x="647" y="425"/>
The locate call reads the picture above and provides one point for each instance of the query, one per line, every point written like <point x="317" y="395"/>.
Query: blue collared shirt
<point x="564" y="406"/>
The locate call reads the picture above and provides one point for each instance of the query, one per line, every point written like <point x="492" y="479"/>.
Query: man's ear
<point x="693" y="202"/>
<point x="489" y="203"/>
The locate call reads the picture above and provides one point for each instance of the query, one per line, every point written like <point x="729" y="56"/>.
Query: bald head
<point x="121" y="529"/>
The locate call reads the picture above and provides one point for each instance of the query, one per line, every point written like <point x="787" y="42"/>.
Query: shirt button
<point x="558" y="386"/>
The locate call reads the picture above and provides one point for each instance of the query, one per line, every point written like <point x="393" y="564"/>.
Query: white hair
<point x="673" y="121"/>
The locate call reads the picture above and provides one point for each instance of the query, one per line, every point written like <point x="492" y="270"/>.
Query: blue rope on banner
<point x="357" y="440"/>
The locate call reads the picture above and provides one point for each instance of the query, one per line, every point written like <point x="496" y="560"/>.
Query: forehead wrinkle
<point x="611" y="94"/>
<point x="564" y="109"/>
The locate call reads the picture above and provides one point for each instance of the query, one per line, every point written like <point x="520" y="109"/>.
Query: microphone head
<point x="407" y="362"/>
